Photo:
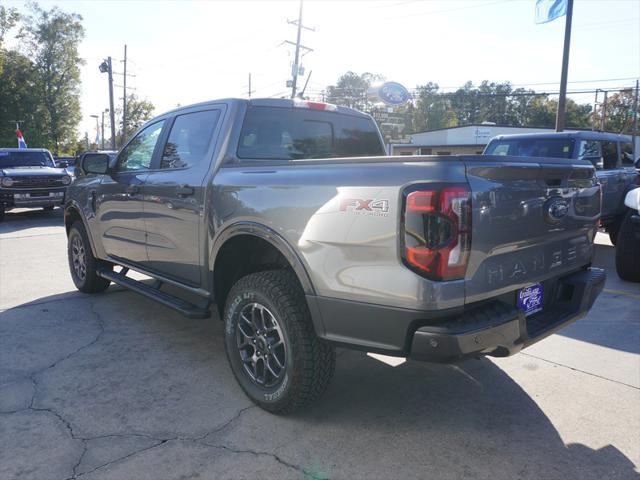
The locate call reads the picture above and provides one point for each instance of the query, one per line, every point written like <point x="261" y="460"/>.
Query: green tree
<point x="8" y="19"/>
<point x="51" y="39"/>
<point x="138" y="112"/>
<point x="619" y="114"/>
<point x="351" y="90"/>
<point x="432" y="109"/>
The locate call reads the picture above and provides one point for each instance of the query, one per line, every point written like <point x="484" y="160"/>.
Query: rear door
<point x="533" y="219"/>
<point x="174" y="196"/>
<point x="118" y="203"/>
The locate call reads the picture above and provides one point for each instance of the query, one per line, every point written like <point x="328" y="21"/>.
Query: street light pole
<point x="97" y="126"/>
<point x="102" y="134"/>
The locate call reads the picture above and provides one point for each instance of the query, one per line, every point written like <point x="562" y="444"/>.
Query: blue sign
<point x="530" y="299"/>
<point x="393" y="93"/>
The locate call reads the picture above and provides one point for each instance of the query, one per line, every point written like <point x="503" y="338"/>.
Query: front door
<point x="174" y="195"/>
<point x="119" y="205"/>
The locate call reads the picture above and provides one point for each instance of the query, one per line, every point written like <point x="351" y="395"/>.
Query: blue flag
<point x="547" y="10"/>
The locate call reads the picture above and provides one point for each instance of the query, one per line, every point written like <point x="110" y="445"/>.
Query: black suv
<point x="610" y="153"/>
<point x="29" y="178"/>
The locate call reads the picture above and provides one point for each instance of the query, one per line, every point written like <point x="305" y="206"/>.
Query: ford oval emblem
<point x="557" y="209"/>
<point x="393" y="93"/>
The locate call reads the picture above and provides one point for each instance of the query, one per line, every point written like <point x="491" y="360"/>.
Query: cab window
<point x="189" y="139"/>
<point x="138" y="153"/>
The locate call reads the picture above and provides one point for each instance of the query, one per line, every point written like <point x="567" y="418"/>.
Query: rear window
<point x="532" y="147"/>
<point x="295" y="133"/>
<point x="25" y="159"/>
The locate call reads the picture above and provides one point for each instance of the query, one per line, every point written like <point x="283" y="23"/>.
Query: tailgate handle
<point x="184" y="190"/>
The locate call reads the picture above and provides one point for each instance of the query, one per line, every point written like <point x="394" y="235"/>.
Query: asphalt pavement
<point x="114" y="386"/>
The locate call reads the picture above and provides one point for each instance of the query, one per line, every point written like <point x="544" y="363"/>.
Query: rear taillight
<point x="437" y="231"/>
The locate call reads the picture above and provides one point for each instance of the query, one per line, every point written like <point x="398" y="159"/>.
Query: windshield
<point x="532" y="147"/>
<point x="296" y="133"/>
<point x="25" y="159"/>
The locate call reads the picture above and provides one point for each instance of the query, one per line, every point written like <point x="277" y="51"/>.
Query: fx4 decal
<point x="376" y="207"/>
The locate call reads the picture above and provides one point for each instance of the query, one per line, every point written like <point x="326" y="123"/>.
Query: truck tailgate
<point x="533" y="219"/>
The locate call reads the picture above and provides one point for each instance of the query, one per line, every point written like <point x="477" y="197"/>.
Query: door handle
<point x="132" y="189"/>
<point x="184" y="190"/>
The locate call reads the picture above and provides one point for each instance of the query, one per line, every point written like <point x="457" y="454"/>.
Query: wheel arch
<point x="264" y="249"/>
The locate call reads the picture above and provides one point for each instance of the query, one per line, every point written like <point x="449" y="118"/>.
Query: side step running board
<point x="187" y="309"/>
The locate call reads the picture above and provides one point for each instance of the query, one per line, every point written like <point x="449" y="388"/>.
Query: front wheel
<point x="270" y="343"/>
<point x="82" y="264"/>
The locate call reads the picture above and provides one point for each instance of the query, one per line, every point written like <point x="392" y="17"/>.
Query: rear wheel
<point x="82" y="264"/>
<point x="271" y="346"/>
<point x="628" y="251"/>
<point x="1" y="212"/>
<point x="48" y="208"/>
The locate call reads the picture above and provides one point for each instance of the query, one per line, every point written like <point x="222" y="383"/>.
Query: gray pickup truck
<point x="287" y="216"/>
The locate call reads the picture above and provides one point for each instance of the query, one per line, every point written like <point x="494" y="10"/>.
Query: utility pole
<point x="562" y="100"/>
<point x="594" y="117"/>
<point x="634" y="132"/>
<point x="604" y="111"/>
<point x="295" y="69"/>
<point x="124" y="100"/>
<point x="296" y="65"/>
<point x="106" y="67"/>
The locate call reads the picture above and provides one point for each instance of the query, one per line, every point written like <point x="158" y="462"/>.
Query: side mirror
<point x="96" y="163"/>
<point x="62" y="164"/>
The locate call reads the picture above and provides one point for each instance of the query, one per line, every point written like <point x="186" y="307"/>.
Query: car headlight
<point x="66" y="180"/>
<point x="6" y="181"/>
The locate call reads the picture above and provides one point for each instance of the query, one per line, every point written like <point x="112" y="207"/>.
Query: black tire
<point x="82" y="264"/>
<point x="309" y="363"/>
<point x="628" y="251"/>
<point x="613" y="230"/>
<point x="48" y="208"/>
<point x="1" y="212"/>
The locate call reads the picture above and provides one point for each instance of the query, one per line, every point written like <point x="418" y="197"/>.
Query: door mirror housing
<point x="95" y="163"/>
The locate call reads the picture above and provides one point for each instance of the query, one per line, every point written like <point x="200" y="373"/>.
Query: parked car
<point x="29" y="178"/>
<point x="287" y="216"/>
<point x="64" y="162"/>
<point x="610" y="153"/>
<point x="628" y="247"/>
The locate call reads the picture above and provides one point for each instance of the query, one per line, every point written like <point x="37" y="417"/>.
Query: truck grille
<point x="36" y="182"/>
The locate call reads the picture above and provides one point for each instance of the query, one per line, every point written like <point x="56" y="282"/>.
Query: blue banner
<point x="548" y="10"/>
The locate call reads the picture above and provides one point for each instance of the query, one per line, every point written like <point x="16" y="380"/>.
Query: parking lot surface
<point x="114" y="386"/>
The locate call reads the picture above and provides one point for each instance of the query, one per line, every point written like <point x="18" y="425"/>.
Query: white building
<point x="468" y="139"/>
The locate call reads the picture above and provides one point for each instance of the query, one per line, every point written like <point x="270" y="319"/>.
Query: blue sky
<point x="183" y="52"/>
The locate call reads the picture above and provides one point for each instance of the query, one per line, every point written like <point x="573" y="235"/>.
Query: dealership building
<point x="468" y="139"/>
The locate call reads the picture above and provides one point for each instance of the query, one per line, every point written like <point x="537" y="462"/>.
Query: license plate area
<point x="530" y="299"/>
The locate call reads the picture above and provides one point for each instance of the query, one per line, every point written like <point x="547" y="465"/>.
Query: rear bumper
<point x="498" y="329"/>
<point x="494" y="327"/>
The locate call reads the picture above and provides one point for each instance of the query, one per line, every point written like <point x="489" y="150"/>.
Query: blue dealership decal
<point x="393" y="93"/>
<point x="530" y="299"/>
